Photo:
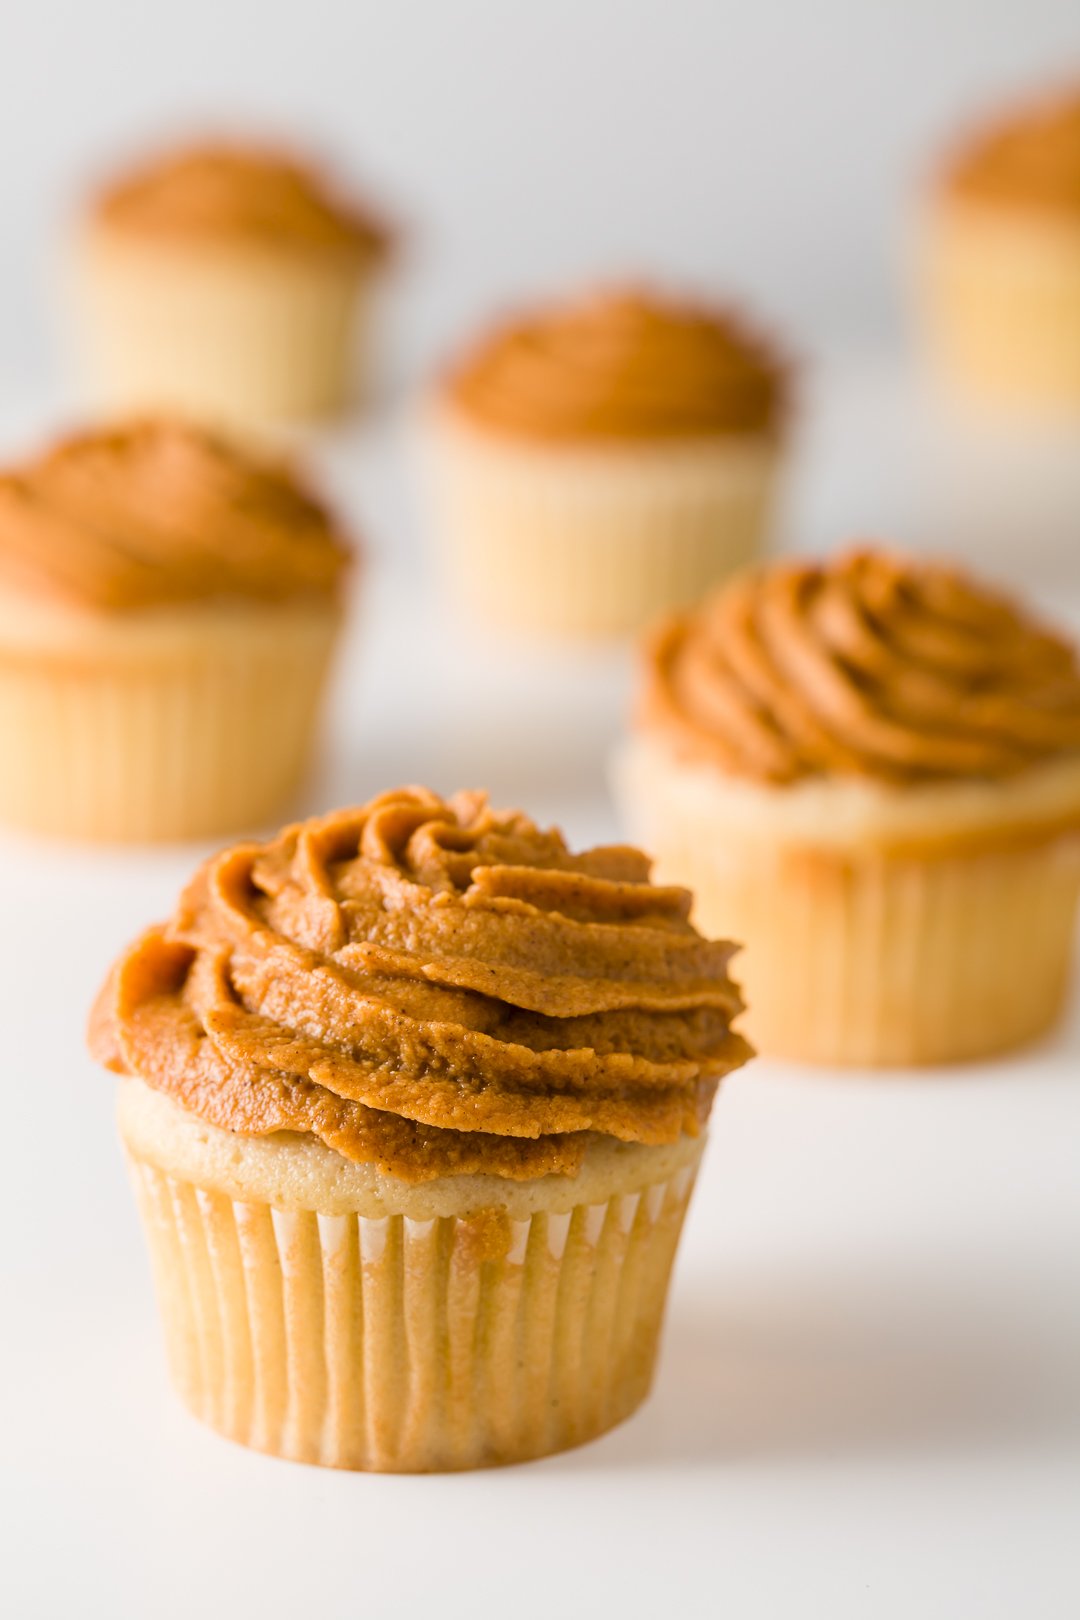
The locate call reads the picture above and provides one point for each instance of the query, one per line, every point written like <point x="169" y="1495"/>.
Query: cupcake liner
<point x="228" y="335"/>
<point x="1001" y="304"/>
<point x="207" y="737"/>
<point x="590" y="542"/>
<point x="897" y="961"/>
<point x="403" y="1345"/>
<point x="865" y="955"/>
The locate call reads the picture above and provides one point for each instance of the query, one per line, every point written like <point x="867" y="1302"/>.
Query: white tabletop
<point x="868" y="1403"/>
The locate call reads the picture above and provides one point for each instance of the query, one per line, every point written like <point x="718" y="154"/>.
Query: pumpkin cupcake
<point x="999" y="261"/>
<point x="868" y="770"/>
<point x="228" y="281"/>
<point x="168" y="608"/>
<point x="602" y="460"/>
<point x="413" y="1100"/>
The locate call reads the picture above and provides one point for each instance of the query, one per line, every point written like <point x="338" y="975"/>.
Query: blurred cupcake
<point x="228" y="281"/>
<point x="999" y="260"/>
<point x="413" y="1102"/>
<point x="168" y="608"/>
<point x="868" y="770"/>
<point x="603" y="460"/>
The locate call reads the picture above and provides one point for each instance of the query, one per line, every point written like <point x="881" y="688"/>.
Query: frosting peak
<point x="252" y="193"/>
<point x="432" y="986"/>
<point x="621" y="365"/>
<point x="869" y="665"/>
<point x="158" y="511"/>
<point x="1029" y="159"/>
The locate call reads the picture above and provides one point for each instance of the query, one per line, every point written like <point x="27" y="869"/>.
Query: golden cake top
<point x="251" y="193"/>
<point x="621" y="365"/>
<point x="868" y="664"/>
<point x="431" y="986"/>
<point x="157" y="511"/>
<point x="1028" y="159"/>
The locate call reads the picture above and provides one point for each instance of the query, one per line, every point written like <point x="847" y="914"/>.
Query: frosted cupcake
<point x="868" y="770"/>
<point x="228" y="281"/>
<point x="168" y="609"/>
<point x="414" y="1100"/>
<point x="600" y="461"/>
<point x="999" y="264"/>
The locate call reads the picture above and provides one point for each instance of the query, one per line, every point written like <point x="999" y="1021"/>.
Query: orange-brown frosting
<point x="867" y="665"/>
<point x="1030" y="159"/>
<point x="221" y="190"/>
<point x="621" y="365"/>
<point x="158" y="511"/>
<point x="431" y="986"/>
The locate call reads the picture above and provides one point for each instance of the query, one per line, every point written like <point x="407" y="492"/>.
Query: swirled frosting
<point x="158" y="511"/>
<point x="869" y="665"/>
<point x="431" y="986"/>
<point x="1030" y="159"/>
<point x="220" y="190"/>
<point x="621" y="365"/>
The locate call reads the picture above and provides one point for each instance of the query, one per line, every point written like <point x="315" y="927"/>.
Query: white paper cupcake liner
<point x="231" y="335"/>
<point x="198" y="739"/>
<point x="582" y="542"/>
<point x="404" y="1345"/>
<point x="882" y="960"/>
<point x="858" y="953"/>
<point x="1000" y="304"/>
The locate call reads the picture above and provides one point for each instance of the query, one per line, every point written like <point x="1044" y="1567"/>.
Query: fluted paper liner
<point x="401" y="1345"/>
<point x="1001" y="304"/>
<point x="883" y="959"/>
<point x="196" y="741"/>
<point x="593" y="542"/>
<point x="231" y="335"/>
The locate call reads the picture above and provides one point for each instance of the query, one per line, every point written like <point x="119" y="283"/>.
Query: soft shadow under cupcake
<point x="875" y="1361"/>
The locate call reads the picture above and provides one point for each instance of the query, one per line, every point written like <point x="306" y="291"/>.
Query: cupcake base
<point x="582" y="541"/>
<point x="234" y="335"/>
<point x="408" y="1343"/>
<point x="1000" y="296"/>
<point x="902" y="961"/>
<point x="896" y="935"/>
<point x="159" y="725"/>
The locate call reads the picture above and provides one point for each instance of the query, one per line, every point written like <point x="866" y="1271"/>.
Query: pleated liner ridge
<point x="401" y="1345"/>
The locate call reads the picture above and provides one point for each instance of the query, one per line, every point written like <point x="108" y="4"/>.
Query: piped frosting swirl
<point x="431" y="986"/>
<point x="227" y="191"/>
<point x="158" y="511"/>
<point x="621" y="365"/>
<point x="1029" y="159"/>
<point x="867" y="665"/>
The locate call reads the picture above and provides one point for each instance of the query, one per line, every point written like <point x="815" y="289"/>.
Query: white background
<point x="766" y="147"/>
<point x="869" y="1401"/>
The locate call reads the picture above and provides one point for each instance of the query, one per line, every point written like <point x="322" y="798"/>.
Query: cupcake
<point x="604" y="460"/>
<point x="168" y="608"/>
<point x="999" y="260"/>
<point x="227" y="281"/>
<point x="868" y="770"/>
<point x="413" y="1101"/>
